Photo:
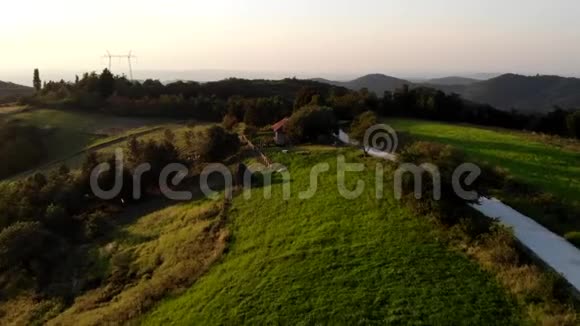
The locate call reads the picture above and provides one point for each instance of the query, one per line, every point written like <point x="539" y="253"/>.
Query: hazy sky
<point x="400" y="37"/>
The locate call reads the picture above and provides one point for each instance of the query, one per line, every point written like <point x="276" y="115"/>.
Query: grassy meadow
<point x="328" y="260"/>
<point x="69" y="135"/>
<point x="72" y="131"/>
<point x="548" y="164"/>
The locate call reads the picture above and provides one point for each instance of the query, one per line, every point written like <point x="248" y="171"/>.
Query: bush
<point x="361" y="124"/>
<point x="23" y="243"/>
<point x="250" y="131"/>
<point x="310" y="122"/>
<point x="96" y="224"/>
<point x="445" y="159"/>
<point x="215" y="144"/>
<point x="229" y="121"/>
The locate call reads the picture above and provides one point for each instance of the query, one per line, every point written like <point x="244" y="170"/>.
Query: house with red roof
<point x="279" y="128"/>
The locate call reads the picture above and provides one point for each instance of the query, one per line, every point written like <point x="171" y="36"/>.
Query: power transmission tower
<point x="128" y="56"/>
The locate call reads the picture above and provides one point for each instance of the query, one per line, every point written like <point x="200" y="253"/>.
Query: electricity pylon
<point x="129" y="56"/>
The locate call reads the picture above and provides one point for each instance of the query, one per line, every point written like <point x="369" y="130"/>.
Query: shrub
<point x="24" y="244"/>
<point x="229" y="121"/>
<point x="361" y="124"/>
<point x="96" y="224"/>
<point x="445" y="160"/>
<point x="250" y="131"/>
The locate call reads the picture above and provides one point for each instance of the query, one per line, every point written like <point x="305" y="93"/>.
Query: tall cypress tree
<point x="36" y="81"/>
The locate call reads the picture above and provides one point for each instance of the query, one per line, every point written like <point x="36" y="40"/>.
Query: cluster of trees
<point x="261" y="102"/>
<point x="45" y="217"/>
<point x="259" y="111"/>
<point x="42" y="218"/>
<point x="428" y="103"/>
<point x="310" y="123"/>
<point x="172" y="106"/>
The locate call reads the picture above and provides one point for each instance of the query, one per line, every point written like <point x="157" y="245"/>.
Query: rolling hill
<point x="523" y="93"/>
<point x="451" y="80"/>
<point x="528" y="94"/>
<point x="377" y="83"/>
<point x="11" y="89"/>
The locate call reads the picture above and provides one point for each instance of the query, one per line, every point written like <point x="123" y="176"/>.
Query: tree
<point x="36" y="80"/>
<point x="106" y="84"/>
<point x="360" y="125"/>
<point x="215" y="144"/>
<point x="305" y="96"/>
<point x="310" y="122"/>
<point x="573" y="124"/>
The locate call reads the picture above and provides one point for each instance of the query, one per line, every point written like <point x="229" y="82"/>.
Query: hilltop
<point x="524" y="93"/>
<point x="377" y="83"/>
<point x="527" y="94"/>
<point x="451" y="80"/>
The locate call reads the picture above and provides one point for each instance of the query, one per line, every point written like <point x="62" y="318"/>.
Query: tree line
<point x="262" y="102"/>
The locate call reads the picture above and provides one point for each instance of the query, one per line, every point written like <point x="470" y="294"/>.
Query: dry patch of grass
<point x="162" y="253"/>
<point x="542" y="296"/>
<point x="11" y="109"/>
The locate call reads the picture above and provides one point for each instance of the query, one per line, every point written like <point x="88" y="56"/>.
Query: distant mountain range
<point x="377" y="83"/>
<point x="453" y="80"/>
<point x="509" y="91"/>
<point x="11" y="89"/>
<point x="523" y="93"/>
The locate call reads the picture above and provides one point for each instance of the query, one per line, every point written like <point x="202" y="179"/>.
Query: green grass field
<point x="548" y="167"/>
<point x="72" y="131"/>
<point x="328" y="260"/>
<point x="71" y="134"/>
<point x="548" y="164"/>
